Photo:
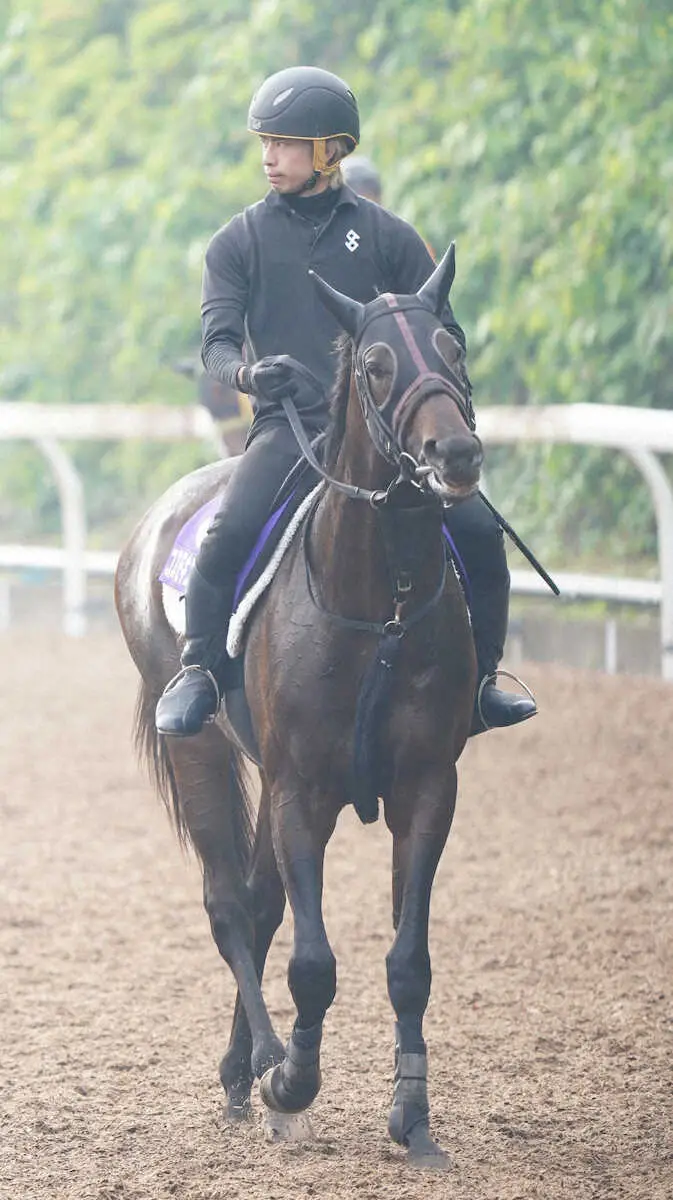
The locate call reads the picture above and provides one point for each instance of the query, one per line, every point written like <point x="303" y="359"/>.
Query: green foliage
<point x="536" y="133"/>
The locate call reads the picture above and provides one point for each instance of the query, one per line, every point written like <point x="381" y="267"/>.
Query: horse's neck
<point x="348" y="551"/>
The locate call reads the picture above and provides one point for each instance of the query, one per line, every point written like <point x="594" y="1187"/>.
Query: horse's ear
<point x="347" y="312"/>
<point x="435" y="291"/>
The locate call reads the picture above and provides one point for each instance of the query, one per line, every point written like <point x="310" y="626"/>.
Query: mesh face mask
<point x="394" y="375"/>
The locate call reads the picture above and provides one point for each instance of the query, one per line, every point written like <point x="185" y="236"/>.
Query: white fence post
<point x="73" y="518"/>
<point x="662" y="498"/>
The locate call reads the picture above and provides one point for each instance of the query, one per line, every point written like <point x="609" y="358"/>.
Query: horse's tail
<point x="152" y="749"/>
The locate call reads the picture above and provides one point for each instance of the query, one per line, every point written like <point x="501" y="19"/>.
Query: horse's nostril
<point x="453" y="449"/>
<point x="456" y="459"/>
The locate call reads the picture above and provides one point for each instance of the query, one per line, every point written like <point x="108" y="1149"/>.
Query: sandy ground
<point x="550" y="1024"/>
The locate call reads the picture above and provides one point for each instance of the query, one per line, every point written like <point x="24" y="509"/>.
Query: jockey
<point x="260" y="321"/>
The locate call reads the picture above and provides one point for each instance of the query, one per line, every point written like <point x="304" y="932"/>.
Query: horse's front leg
<point x="420" y="825"/>
<point x="301" y="832"/>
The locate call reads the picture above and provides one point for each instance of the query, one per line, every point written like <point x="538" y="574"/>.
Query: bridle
<point x="386" y="423"/>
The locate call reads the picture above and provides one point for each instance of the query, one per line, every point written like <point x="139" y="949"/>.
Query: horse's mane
<point x="336" y="429"/>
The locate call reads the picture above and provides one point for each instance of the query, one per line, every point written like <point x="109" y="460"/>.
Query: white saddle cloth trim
<point x="174" y="607"/>
<point x="238" y="622"/>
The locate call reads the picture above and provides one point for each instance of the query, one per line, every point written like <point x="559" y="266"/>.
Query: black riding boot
<point x="479" y="541"/>
<point x="192" y="697"/>
<point x="493" y="708"/>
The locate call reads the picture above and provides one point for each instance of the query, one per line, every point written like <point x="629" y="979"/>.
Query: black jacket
<point x="257" y="291"/>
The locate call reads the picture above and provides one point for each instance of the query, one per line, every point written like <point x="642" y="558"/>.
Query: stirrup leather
<point x="494" y="677"/>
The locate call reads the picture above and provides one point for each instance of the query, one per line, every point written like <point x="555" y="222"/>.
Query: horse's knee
<point x="311" y="977"/>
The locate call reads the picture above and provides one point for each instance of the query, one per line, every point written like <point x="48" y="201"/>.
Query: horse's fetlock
<point x="410" y="1106"/>
<point x="268" y="1053"/>
<point x="235" y="1071"/>
<point x="405" y="1117"/>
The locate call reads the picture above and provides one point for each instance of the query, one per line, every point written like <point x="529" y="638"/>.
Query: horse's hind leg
<point x="213" y="808"/>
<point x="267" y="903"/>
<point x="301" y="831"/>
<point x="420" y="825"/>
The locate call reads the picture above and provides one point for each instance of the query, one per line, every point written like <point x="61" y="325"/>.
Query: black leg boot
<point x="493" y="709"/>
<point x="479" y="541"/>
<point x="192" y="697"/>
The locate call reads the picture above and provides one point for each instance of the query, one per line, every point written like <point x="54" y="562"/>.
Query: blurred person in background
<point x="231" y="410"/>
<point x="262" y="326"/>
<point x="362" y="176"/>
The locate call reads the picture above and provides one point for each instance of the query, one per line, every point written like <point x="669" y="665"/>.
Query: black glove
<point x="272" y="377"/>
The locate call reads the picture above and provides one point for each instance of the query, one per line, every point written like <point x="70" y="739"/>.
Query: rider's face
<point x="288" y="163"/>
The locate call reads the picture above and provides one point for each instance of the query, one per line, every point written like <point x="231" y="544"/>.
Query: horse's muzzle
<point x="455" y="463"/>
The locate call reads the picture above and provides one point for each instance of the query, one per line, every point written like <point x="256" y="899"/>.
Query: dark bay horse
<point x="360" y="677"/>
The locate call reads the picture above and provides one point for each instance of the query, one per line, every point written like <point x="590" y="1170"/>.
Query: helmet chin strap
<point x="321" y="166"/>
<point x="308" y="186"/>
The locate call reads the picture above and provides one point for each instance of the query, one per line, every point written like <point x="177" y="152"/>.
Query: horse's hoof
<point x="238" y="1111"/>
<point x="424" y="1154"/>
<point x="287" y="1127"/>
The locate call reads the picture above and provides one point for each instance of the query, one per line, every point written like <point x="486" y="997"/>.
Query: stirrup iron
<point x="192" y="667"/>
<point x="493" y="676"/>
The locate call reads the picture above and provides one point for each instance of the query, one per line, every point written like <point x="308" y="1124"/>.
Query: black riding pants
<point x="480" y="543"/>
<point x="266" y="462"/>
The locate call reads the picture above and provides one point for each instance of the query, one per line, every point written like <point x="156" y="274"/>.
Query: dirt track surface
<point x="550" y="1027"/>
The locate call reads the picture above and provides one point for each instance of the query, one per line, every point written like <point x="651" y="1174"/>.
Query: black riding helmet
<point x="309" y="104"/>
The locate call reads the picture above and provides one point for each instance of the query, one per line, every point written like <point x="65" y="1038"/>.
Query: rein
<point x="348" y="489"/>
<point x="409" y="470"/>
<point x="381" y="433"/>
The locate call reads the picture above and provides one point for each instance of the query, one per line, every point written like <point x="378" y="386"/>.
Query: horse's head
<point x="407" y="373"/>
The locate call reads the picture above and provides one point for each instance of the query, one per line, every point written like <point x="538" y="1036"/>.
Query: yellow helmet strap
<point x="321" y="161"/>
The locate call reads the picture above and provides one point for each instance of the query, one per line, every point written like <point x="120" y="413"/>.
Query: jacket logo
<point x="352" y="240"/>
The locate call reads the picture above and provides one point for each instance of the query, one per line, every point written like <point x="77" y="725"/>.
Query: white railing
<point x="641" y="434"/>
<point x="48" y="426"/>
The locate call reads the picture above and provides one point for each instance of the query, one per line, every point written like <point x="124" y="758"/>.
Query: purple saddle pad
<point x="186" y="547"/>
<point x="182" y="557"/>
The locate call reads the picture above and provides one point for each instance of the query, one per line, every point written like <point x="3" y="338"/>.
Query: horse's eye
<point x="377" y="371"/>
<point x="379" y="365"/>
